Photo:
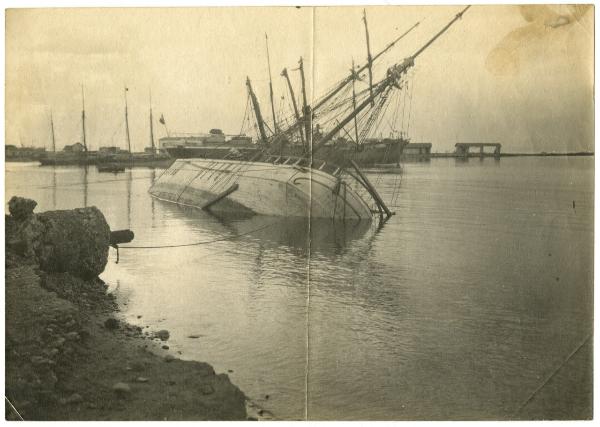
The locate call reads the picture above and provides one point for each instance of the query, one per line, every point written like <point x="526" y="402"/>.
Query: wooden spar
<point x="348" y="79"/>
<point x="83" y="120"/>
<point x="305" y="109"/>
<point x="52" y="130"/>
<point x="220" y="196"/>
<point x="284" y="73"/>
<point x="442" y="31"/>
<point x="393" y="75"/>
<point x="380" y="203"/>
<point x="257" y="113"/>
<point x="354" y="103"/>
<point x="275" y="127"/>
<point x="369" y="58"/>
<point x="151" y="127"/>
<point x="127" y="126"/>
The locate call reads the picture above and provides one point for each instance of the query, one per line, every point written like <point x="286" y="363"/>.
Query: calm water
<point x="459" y="307"/>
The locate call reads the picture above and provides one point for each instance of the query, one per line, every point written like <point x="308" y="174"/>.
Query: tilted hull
<point x="260" y="188"/>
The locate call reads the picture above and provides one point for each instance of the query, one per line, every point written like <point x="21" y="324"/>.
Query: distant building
<point x="74" y="148"/>
<point x="12" y="152"/>
<point x="109" y="150"/>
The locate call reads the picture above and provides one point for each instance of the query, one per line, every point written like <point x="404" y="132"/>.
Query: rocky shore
<point x="68" y="356"/>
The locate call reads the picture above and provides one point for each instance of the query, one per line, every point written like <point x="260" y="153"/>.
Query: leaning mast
<point x="369" y="58"/>
<point x="348" y="79"/>
<point x="275" y="128"/>
<point x="284" y="73"/>
<point x="257" y="113"/>
<point x="393" y="75"/>
<point x="305" y="109"/>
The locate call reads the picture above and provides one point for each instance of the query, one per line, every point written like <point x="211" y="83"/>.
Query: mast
<point x="275" y="128"/>
<point x="151" y="127"/>
<point x="83" y="120"/>
<point x="52" y="130"/>
<point x="369" y="58"/>
<point x="127" y="125"/>
<point x="284" y="73"/>
<point x="394" y="73"/>
<point x="354" y="103"/>
<point x="348" y="79"/>
<point x="305" y="108"/>
<point x="259" y="119"/>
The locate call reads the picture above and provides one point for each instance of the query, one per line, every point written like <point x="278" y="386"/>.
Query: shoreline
<point x="70" y="357"/>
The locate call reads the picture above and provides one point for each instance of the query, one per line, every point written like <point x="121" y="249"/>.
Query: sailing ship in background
<point x="294" y="134"/>
<point x="108" y="158"/>
<point x="273" y="181"/>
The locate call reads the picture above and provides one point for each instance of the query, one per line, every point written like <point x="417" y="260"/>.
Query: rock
<point x="58" y="342"/>
<point x="121" y="388"/>
<point x="111" y="323"/>
<point x="169" y="358"/>
<point x="230" y="370"/>
<point x="74" y="241"/>
<point x="139" y="316"/>
<point x="138" y="366"/>
<point x="21" y="208"/>
<point x="141" y="379"/>
<point x="39" y="360"/>
<point x="207" y="389"/>
<point x="165" y="347"/>
<point x="194" y="336"/>
<point x="163" y="334"/>
<point x="74" y="398"/>
<point x="72" y="336"/>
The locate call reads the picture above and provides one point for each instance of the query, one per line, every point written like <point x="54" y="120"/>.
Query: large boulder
<point x="21" y="208"/>
<point x="74" y="241"/>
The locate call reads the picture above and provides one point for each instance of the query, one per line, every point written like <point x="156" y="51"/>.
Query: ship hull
<point x="260" y="188"/>
<point x="371" y="154"/>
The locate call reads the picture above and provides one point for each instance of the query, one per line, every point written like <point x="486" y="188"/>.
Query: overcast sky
<point x="518" y="75"/>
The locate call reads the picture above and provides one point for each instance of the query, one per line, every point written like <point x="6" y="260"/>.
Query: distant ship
<point x="214" y="145"/>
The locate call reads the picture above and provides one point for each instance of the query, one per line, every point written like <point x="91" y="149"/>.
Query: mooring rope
<point x="204" y="242"/>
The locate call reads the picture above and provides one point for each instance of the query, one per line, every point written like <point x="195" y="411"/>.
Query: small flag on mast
<point x="162" y="119"/>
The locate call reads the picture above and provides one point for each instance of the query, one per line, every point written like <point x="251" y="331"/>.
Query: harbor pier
<point x="463" y="149"/>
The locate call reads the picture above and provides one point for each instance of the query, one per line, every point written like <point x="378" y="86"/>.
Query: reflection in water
<point x="85" y="185"/>
<point x="54" y="186"/>
<point x="129" y="179"/>
<point x="152" y="179"/>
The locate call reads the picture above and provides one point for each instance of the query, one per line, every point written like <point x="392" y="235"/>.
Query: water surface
<point x="458" y="308"/>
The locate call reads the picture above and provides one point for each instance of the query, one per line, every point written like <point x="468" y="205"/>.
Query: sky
<point x="518" y="75"/>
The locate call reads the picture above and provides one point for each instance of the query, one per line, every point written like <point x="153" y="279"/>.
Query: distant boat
<point x="110" y="168"/>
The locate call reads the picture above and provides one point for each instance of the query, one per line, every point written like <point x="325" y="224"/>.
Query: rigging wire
<point x="203" y="242"/>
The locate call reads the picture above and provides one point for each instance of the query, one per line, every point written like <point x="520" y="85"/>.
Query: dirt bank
<point x="68" y="357"/>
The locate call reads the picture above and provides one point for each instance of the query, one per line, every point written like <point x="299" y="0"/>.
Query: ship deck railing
<point x="321" y="165"/>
